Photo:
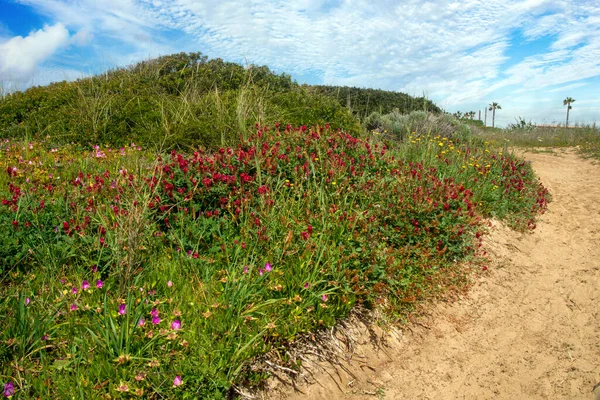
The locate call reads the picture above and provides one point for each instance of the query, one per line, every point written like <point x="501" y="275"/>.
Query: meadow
<point x="164" y="269"/>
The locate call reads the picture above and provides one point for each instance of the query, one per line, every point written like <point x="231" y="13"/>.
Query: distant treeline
<point x="362" y="102"/>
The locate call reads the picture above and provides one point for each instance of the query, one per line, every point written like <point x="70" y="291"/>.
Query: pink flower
<point x="154" y="312"/>
<point x="306" y="285"/>
<point x="74" y="307"/>
<point x="122" y="309"/>
<point x="9" y="388"/>
<point x="99" y="284"/>
<point x="170" y="284"/>
<point x="324" y="297"/>
<point x="142" y="322"/>
<point x="85" y="285"/>
<point x="268" y="267"/>
<point x="176" y="325"/>
<point x="156" y="320"/>
<point x="260" y="271"/>
<point x="177" y="381"/>
<point x="27" y="301"/>
<point x="245" y="269"/>
<point x="74" y="290"/>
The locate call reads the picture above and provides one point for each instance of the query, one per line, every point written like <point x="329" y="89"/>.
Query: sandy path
<point x="529" y="329"/>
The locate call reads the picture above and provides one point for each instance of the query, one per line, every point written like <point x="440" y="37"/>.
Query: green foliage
<point x="144" y="267"/>
<point x="364" y="102"/>
<point x="181" y="100"/>
<point x="398" y="126"/>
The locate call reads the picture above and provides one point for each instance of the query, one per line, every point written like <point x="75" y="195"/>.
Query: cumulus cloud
<point x="20" y="56"/>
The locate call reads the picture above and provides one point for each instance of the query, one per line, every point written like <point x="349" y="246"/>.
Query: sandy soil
<point x="528" y="329"/>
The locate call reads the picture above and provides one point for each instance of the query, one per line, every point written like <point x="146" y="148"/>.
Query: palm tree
<point x="567" y="102"/>
<point x="493" y="107"/>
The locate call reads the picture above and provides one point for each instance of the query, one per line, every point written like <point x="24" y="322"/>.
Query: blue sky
<point x="463" y="54"/>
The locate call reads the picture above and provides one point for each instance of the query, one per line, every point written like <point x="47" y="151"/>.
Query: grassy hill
<point x="184" y="100"/>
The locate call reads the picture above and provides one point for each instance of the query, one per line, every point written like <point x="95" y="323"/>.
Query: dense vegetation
<point x="131" y="271"/>
<point x="184" y="100"/>
<point x="173" y="101"/>
<point x="363" y="102"/>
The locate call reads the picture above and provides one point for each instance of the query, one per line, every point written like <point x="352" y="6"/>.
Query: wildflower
<point x="154" y="312"/>
<point x="306" y="285"/>
<point x="123" y="388"/>
<point x="27" y="301"/>
<point x="170" y="284"/>
<point x="260" y="271"/>
<point x="122" y="309"/>
<point x="271" y="325"/>
<point x="176" y="325"/>
<point x="74" y="307"/>
<point x="85" y="285"/>
<point x="99" y="284"/>
<point x="245" y="269"/>
<point x="324" y="297"/>
<point x="74" y="290"/>
<point x="45" y="337"/>
<point x="268" y="267"/>
<point x="9" y="389"/>
<point x="177" y="381"/>
<point x="140" y="377"/>
<point x="142" y="322"/>
<point x="156" y="320"/>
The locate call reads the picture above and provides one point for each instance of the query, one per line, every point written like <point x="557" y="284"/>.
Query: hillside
<point x="184" y="100"/>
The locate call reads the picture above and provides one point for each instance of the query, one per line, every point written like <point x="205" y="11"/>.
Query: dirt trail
<point x="528" y="329"/>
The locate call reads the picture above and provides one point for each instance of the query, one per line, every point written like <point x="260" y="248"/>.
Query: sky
<point x="528" y="56"/>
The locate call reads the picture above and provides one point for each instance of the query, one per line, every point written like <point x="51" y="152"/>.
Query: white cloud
<point x="20" y="56"/>
<point x="455" y="51"/>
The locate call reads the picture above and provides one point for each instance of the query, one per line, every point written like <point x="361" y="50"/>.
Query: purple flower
<point x="260" y="271"/>
<point x="306" y="285"/>
<point x="122" y="309"/>
<point x="45" y="337"/>
<point x="94" y="268"/>
<point x="99" y="284"/>
<point x="9" y="388"/>
<point x="177" y="381"/>
<point x="245" y="269"/>
<point x="142" y="322"/>
<point x="85" y="285"/>
<point x="154" y="312"/>
<point x="176" y="325"/>
<point x="74" y="307"/>
<point x="156" y="320"/>
<point x="74" y="290"/>
<point x="268" y="267"/>
<point x="324" y="297"/>
<point x="27" y="301"/>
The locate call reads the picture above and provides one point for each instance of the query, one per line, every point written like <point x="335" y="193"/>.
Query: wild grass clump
<point x="398" y="126"/>
<point x="164" y="275"/>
